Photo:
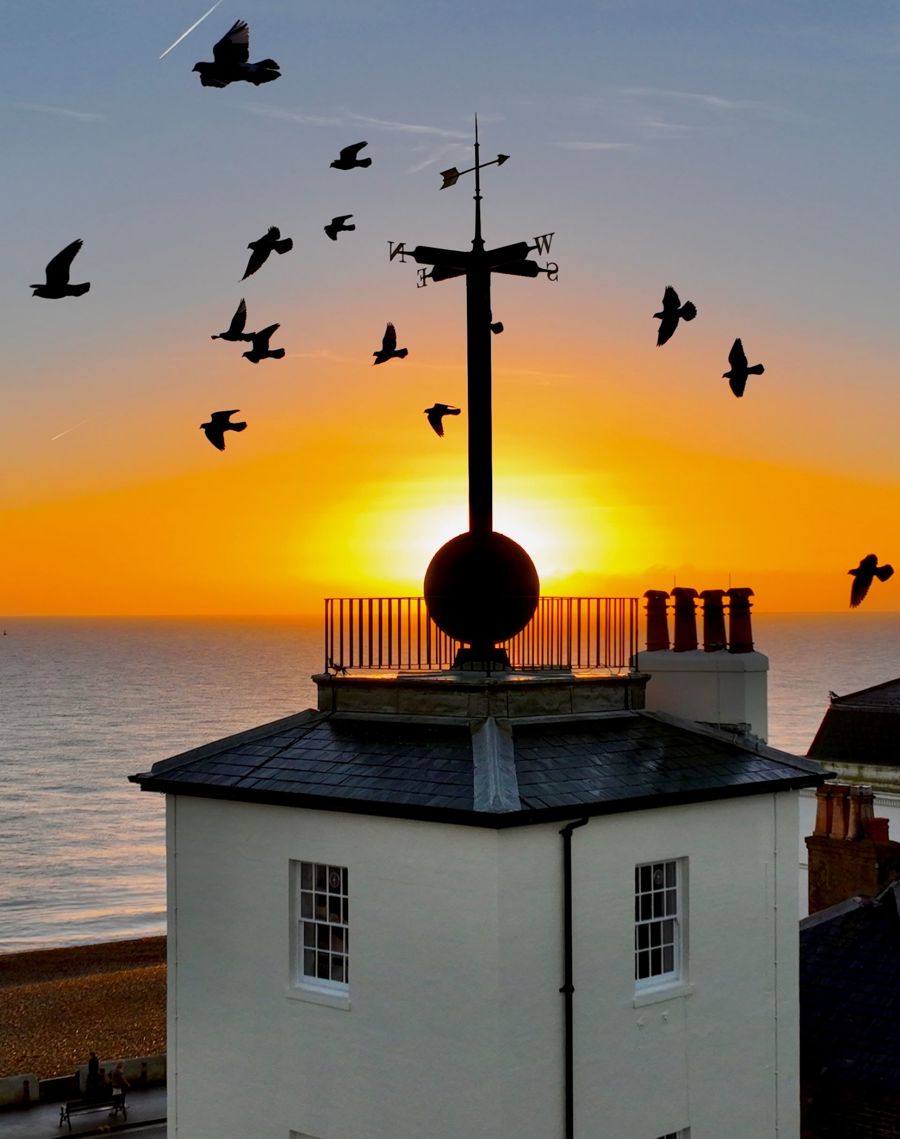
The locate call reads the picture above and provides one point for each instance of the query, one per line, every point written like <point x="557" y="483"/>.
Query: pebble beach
<point x="60" y="1004"/>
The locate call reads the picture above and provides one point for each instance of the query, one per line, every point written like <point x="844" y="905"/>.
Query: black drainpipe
<point x="568" y="988"/>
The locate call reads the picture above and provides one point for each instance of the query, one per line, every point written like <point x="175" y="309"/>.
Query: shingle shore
<point x="60" y="1004"/>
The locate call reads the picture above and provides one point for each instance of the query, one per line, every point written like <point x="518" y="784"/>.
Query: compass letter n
<point x="399" y="251"/>
<point x="542" y="243"/>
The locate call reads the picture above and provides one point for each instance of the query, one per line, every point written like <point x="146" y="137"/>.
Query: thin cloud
<point x="352" y="119"/>
<point x="576" y="144"/>
<point x="64" y="112"/>
<point x="438" y="155"/>
<point x="714" y="102"/>
<point x="409" y="128"/>
<point x="303" y="117"/>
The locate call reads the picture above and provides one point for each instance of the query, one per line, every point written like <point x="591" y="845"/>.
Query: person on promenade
<point x="92" y="1083"/>
<point x="120" y="1084"/>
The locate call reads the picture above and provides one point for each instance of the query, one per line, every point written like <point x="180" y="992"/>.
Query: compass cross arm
<point x="451" y="258"/>
<point x="506" y="253"/>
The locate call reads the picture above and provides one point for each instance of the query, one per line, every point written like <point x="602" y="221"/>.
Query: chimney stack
<point x="850" y="851"/>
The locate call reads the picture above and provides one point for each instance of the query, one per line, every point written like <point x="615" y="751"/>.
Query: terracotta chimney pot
<point x="714" y="639"/>
<point x="823" y="810"/>
<point x="685" y="619"/>
<point x="741" y="633"/>
<point x="839" y="810"/>
<point x="657" y="620"/>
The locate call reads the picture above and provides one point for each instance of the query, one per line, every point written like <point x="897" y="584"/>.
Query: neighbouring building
<point x="858" y="739"/>
<point x="850" y="1018"/>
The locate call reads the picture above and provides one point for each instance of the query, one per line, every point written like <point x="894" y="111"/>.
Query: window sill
<point x="332" y="998"/>
<point x="669" y="992"/>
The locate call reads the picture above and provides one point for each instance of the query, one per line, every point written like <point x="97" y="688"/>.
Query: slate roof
<point x="861" y="727"/>
<point x="519" y="772"/>
<point x="850" y="992"/>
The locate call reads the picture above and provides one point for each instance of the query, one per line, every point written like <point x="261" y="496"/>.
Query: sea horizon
<point x="89" y="701"/>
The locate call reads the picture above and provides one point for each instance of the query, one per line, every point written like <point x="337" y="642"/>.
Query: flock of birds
<point x="231" y="64"/>
<point x="672" y="312"/>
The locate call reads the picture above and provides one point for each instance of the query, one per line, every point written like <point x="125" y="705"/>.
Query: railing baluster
<point x="563" y="633"/>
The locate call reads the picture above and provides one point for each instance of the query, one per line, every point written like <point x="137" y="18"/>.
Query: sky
<point x="744" y="153"/>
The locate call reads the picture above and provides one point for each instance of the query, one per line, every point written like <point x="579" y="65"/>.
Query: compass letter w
<point x="542" y="243"/>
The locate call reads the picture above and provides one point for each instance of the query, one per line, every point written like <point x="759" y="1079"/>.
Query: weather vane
<point x="481" y="587"/>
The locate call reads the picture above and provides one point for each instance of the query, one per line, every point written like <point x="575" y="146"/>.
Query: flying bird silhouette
<point x="57" y="273"/>
<point x="260" y="349"/>
<point x="263" y="246"/>
<point x="436" y="414"/>
<point x="672" y="311"/>
<point x="231" y="61"/>
<point x="235" y="330"/>
<point x="219" y="423"/>
<point x="336" y="226"/>
<point x="349" y="157"/>
<point x="389" y="347"/>
<point x="863" y="575"/>
<point x="738" y="373"/>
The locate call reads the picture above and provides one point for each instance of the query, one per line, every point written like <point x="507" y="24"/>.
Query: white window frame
<point x="659" y="924"/>
<point x="319" y="926"/>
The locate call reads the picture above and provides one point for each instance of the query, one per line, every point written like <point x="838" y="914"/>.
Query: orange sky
<point x="617" y="472"/>
<point x="648" y="138"/>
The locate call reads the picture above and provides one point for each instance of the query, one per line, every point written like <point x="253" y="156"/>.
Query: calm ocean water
<point x="84" y="703"/>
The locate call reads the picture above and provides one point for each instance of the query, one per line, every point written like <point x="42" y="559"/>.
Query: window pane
<point x="337" y="968"/>
<point x="306" y="875"/>
<point x="658" y="900"/>
<point x="642" y="937"/>
<point x="671" y="904"/>
<point x="646" y="907"/>
<point x="306" y="905"/>
<point x="655" y="934"/>
<point x="309" y="962"/>
<point x="669" y="959"/>
<point x="334" y="879"/>
<point x="668" y="931"/>
<point x="645" y="873"/>
<point x="655" y="962"/>
<point x="670" y="873"/>
<point x="337" y="939"/>
<point x="334" y="909"/>
<point x="320" y="877"/>
<point x="345" y="906"/>
<point x="321" y="904"/>
<point x="309" y="933"/>
<point x="659" y="877"/>
<point x="344" y="889"/>
<point x="643" y="966"/>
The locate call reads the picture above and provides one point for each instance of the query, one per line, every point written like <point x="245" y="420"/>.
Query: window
<point x="323" y="943"/>
<point x="657" y="924"/>
<point x="685" y="1134"/>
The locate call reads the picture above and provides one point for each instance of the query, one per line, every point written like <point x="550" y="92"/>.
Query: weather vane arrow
<point x="452" y="176"/>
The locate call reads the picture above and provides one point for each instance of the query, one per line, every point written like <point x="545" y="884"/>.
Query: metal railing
<point x="396" y="634"/>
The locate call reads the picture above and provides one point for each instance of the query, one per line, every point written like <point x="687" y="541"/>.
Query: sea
<point x="86" y="702"/>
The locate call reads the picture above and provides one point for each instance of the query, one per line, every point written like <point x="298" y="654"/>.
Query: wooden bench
<point x="105" y="1101"/>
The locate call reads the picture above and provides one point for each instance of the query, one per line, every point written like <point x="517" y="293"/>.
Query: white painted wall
<point x="456" y="1020"/>
<point x="722" y="687"/>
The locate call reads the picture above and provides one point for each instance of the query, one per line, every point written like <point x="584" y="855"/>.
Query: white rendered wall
<point x="720" y="687"/>
<point x="456" y="1020"/>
